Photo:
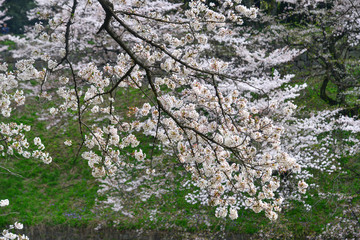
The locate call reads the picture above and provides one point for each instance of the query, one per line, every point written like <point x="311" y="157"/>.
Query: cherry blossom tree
<point x="330" y="34"/>
<point x="199" y="105"/>
<point x="211" y="96"/>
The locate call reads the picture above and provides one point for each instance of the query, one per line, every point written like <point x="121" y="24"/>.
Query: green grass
<point x="9" y="43"/>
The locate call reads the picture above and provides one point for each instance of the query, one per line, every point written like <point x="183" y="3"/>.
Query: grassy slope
<point x="47" y="193"/>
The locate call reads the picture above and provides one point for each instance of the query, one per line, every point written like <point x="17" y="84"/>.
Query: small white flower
<point x="68" y="142"/>
<point x="37" y="141"/>
<point x="233" y="213"/>
<point x="302" y="186"/>
<point x="139" y="155"/>
<point x="63" y="80"/>
<point x="51" y="64"/>
<point x="53" y="111"/>
<point x="95" y="109"/>
<point x="150" y="171"/>
<point x="4" y="203"/>
<point x="18" y="225"/>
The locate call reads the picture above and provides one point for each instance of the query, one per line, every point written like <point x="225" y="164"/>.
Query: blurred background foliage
<point x="17" y="9"/>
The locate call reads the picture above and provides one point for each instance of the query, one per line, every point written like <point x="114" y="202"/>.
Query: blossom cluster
<point x="6" y="234"/>
<point x="13" y="134"/>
